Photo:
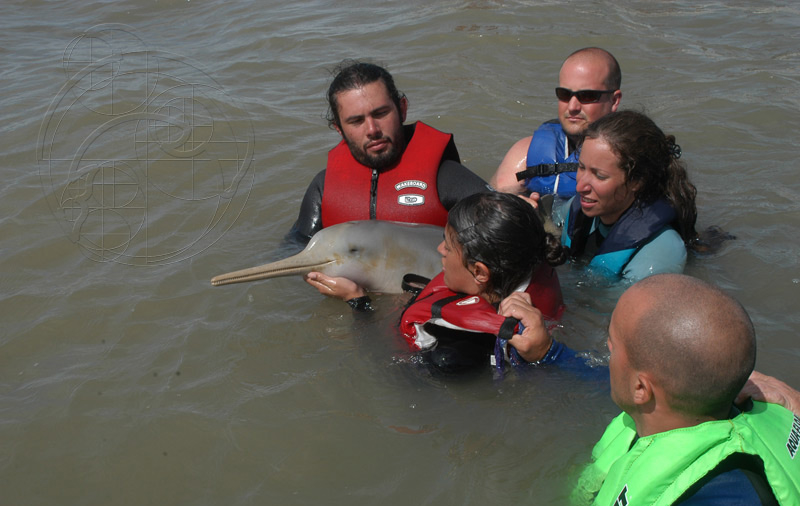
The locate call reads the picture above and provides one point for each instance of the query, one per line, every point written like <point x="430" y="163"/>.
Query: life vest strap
<point x="414" y="283"/>
<point x="436" y="307"/>
<point x="546" y="169"/>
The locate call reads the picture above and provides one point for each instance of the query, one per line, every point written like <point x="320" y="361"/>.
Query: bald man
<point x="588" y="89"/>
<point x="680" y="352"/>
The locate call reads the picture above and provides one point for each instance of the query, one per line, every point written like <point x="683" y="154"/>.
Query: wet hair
<point x="613" y="80"/>
<point x="351" y="75"/>
<point x="506" y="234"/>
<point x="650" y="158"/>
<point x="696" y="340"/>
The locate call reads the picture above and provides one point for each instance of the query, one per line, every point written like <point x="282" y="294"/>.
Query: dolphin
<point x="375" y="254"/>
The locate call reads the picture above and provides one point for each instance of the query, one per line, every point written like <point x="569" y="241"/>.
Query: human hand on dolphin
<point x="341" y="288"/>
<point x="534" y="341"/>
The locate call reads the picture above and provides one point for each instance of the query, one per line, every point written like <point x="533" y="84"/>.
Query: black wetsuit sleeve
<point x="454" y="182"/>
<point x="309" y="221"/>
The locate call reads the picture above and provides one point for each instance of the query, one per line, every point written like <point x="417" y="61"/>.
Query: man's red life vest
<point x="439" y="305"/>
<point x="407" y="192"/>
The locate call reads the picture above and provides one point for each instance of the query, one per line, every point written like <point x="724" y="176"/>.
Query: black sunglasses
<point x="583" y="96"/>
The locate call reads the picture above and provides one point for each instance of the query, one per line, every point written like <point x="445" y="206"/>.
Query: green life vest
<point x="659" y="468"/>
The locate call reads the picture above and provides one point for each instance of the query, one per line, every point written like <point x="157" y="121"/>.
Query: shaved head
<point x="697" y="342"/>
<point x="611" y="73"/>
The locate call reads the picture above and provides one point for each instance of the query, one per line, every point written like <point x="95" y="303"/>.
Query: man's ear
<point x="643" y="388"/>
<point x="480" y="272"/>
<point x="615" y="100"/>
<point x="403" y="109"/>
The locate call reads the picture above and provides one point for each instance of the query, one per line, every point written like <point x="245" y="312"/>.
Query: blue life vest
<point x="636" y="227"/>
<point x="549" y="168"/>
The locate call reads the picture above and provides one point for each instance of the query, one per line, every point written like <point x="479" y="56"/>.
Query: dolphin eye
<point x="353" y="249"/>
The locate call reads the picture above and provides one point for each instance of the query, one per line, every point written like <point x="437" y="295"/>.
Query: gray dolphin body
<point x="375" y="254"/>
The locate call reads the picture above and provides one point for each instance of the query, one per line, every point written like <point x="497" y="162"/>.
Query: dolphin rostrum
<point x="375" y="254"/>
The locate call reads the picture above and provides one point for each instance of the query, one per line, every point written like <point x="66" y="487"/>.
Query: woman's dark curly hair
<point x="649" y="157"/>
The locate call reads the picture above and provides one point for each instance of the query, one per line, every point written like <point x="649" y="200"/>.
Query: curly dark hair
<point x="650" y="157"/>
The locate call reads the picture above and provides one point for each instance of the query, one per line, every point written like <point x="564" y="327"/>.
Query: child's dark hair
<point x="506" y="234"/>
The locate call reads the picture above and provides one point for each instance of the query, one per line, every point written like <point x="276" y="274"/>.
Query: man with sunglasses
<point x="545" y="163"/>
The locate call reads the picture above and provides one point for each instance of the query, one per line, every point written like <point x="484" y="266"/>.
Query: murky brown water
<point x="125" y="378"/>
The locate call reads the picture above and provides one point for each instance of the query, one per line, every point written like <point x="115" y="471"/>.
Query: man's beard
<point x="381" y="161"/>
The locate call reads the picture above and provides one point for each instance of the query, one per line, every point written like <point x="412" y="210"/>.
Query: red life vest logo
<point x="468" y="302"/>
<point x="410" y="199"/>
<point x="411" y="183"/>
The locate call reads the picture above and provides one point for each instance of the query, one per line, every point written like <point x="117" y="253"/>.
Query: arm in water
<point x="534" y="346"/>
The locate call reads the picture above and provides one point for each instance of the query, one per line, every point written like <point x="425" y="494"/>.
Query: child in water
<point x="495" y="254"/>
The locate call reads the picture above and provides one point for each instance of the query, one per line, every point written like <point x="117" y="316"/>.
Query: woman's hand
<point x="535" y="341"/>
<point x="341" y="288"/>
